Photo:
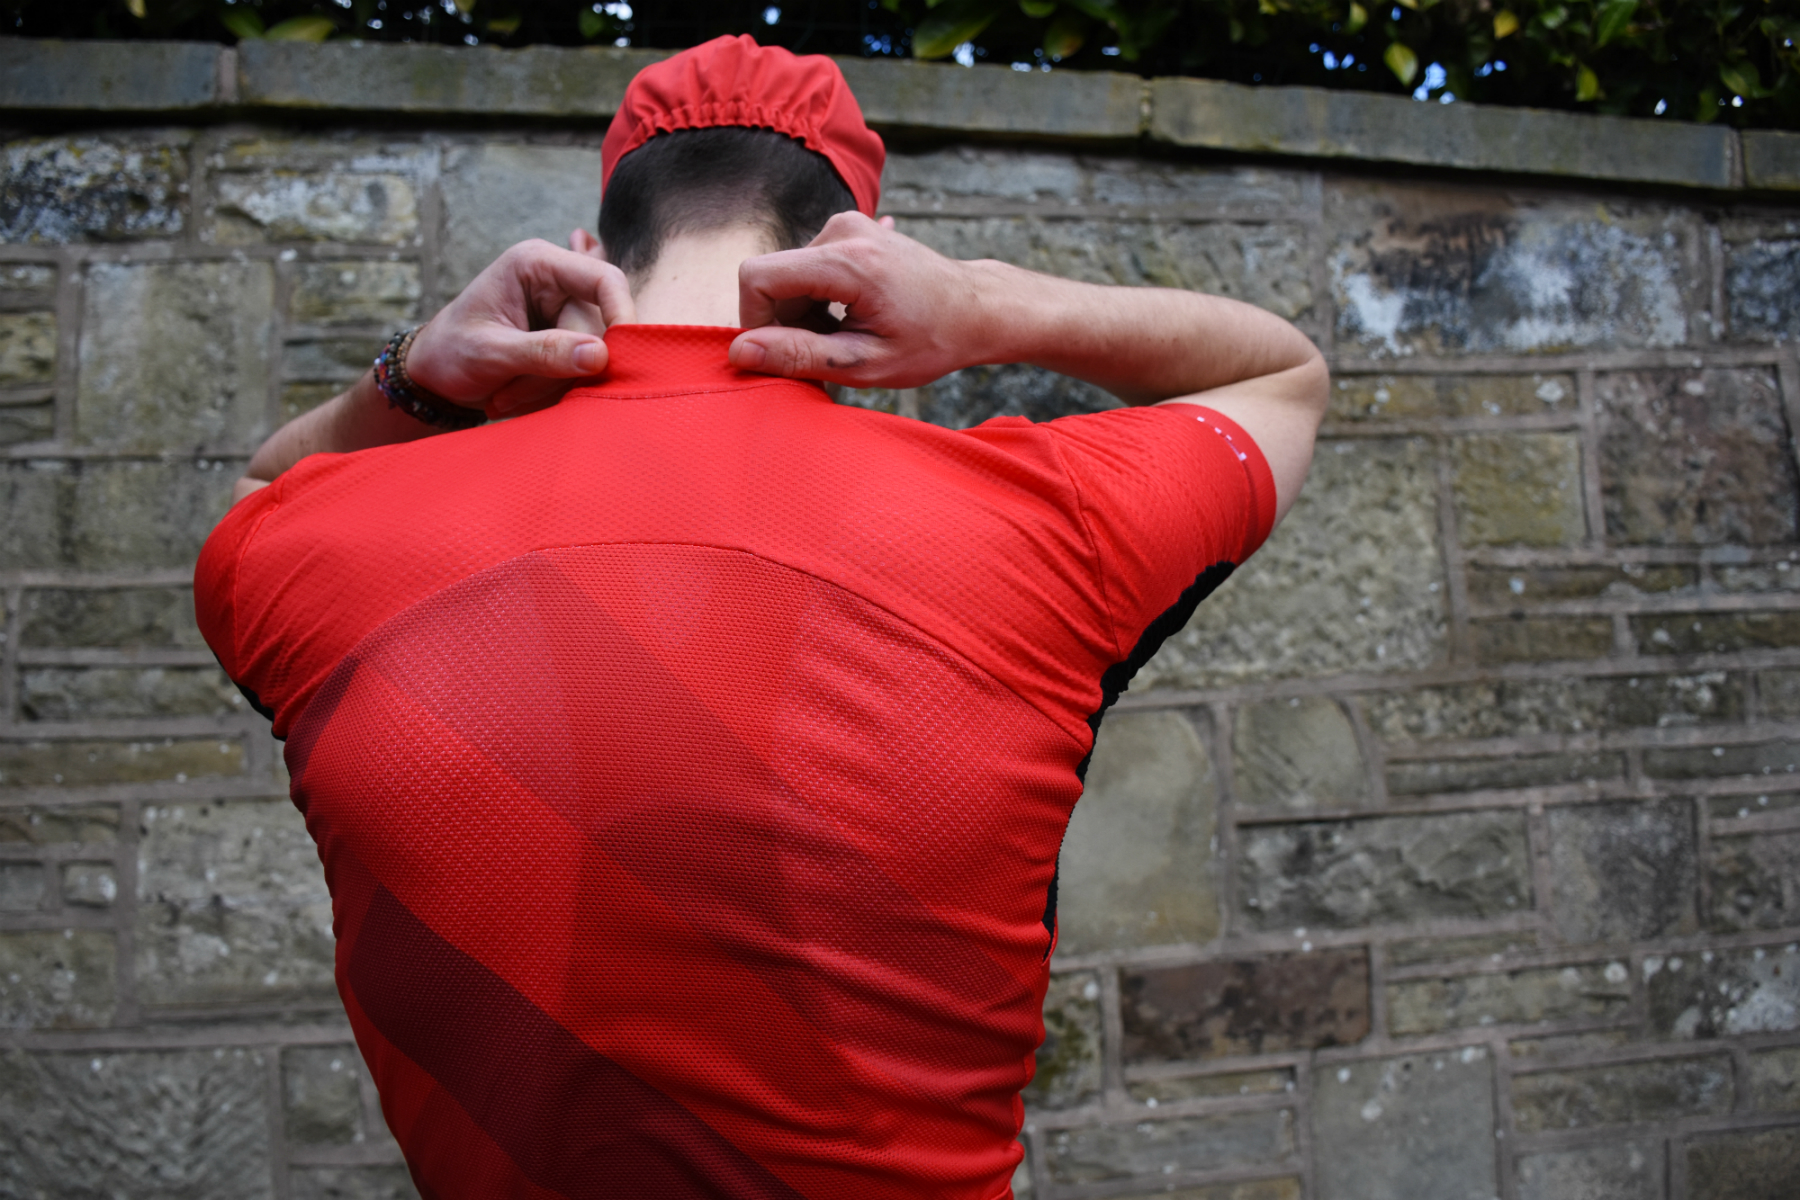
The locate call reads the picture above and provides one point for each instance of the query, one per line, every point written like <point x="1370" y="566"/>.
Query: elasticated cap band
<point x="734" y="81"/>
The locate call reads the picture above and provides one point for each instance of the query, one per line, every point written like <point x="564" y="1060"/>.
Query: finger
<point x="583" y="242"/>
<point x="842" y="226"/>
<point x="768" y="282"/>
<point x="802" y="354"/>
<point x="551" y="276"/>
<point x="547" y="354"/>
<point x="886" y="222"/>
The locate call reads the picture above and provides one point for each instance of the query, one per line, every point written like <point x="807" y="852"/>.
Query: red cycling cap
<point x="734" y="81"/>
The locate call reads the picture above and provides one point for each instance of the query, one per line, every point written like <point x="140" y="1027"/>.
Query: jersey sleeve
<point x="1174" y="497"/>
<point x="216" y="577"/>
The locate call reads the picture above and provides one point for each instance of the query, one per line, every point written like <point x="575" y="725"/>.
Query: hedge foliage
<point x="1697" y="60"/>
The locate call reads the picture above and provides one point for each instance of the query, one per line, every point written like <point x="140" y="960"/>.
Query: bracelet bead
<point x="402" y="393"/>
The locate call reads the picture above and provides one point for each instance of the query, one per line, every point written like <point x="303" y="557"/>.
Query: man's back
<point x="690" y="768"/>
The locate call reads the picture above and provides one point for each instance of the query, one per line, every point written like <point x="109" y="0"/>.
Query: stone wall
<point x="1453" y="851"/>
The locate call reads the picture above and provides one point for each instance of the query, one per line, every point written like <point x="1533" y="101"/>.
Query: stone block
<point x="1622" y="1170"/>
<point x="1716" y="633"/>
<point x="498" y="193"/>
<point x="322" y="1094"/>
<point x="1348" y="874"/>
<point x="1422" y="397"/>
<point x="176" y="356"/>
<point x="1196" y="1087"/>
<point x="1773" y="1080"/>
<point x="26" y="277"/>
<point x="1285" y="1187"/>
<point x="1697" y="457"/>
<point x="1728" y="806"/>
<point x="1351" y="581"/>
<point x="232" y="907"/>
<point x="22" y="886"/>
<point x="1590" y="991"/>
<point x="1780" y="757"/>
<point x="1247" y="1006"/>
<point x="151" y="1125"/>
<point x="1624" y="872"/>
<point x="1492" y="946"/>
<point x="1724" y="993"/>
<point x="346" y="291"/>
<point x="906" y="93"/>
<point x="1299" y="755"/>
<point x="1424" y="778"/>
<point x="114" y="618"/>
<point x="968" y="397"/>
<point x="1153" y="1150"/>
<point x="1622" y="1093"/>
<point x="1778" y="576"/>
<point x="1262" y="264"/>
<point x="1570" y="1045"/>
<point x="1512" y="587"/>
<point x="1540" y="639"/>
<point x="1518" y="707"/>
<point x="1519" y="489"/>
<point x="1339" y="122"/>
<point x="1137" y="861"/>
<point x="1428" y="269"/>
<point x="1755" y="882"/>
<point x="1762" y="279"/>
<point x="372" y="199"/>
<point x="27" y="423"/>
<point x="1779" y="692"/>
<point x="111" y="76"/>
<point x="351" y="1183"/>
<point x="89" y="693"/>
<point x="92" y="824"/>
<point x="959" y="176"/>
<point x="99" y="188"/>
<point x="1771" y="159"/>
<point x="1760" y="1165"/>
<point x="1417" y="1125"/>
<point x="56" y="979"/>
<point x="89" y="884"/>
<point x="27" y="348"/>
<point x="39" y="763"/>
<point x="102" y="515"/>
<point x="1187" y="188"/>
<point x="329" y="360"/>
<point x="1068" y="1062"/>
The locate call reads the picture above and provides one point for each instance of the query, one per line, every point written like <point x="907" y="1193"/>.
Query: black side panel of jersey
<point x="1118" y="677"/>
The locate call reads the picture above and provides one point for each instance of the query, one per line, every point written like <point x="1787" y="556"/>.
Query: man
<point x="689" y="757"/>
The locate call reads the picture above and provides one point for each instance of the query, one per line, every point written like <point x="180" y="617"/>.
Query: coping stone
<point x="1771" y="159"/>
<point x="49" y="73"/>
<point x="995" y="99"/>
<point x="1318" y="122"/>
<point x="538" y="81"/>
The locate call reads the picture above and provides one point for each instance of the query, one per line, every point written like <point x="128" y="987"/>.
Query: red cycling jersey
<point x="689" y="761"/>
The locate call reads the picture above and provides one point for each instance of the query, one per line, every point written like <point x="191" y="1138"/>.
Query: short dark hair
<point x="698" y="180"/>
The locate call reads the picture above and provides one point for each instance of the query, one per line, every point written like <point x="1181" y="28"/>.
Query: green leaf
<point x="1506" y="23"/>
<point x="1037" y="9"/>
<point x="1356" y="18"/>
<point x="1615" y="15"/>
<point x="1065" y="35"/>
<point x="1100" y="10"/>
<point x="590" y="23"/>
<point x="951" y="24"/>
<point x="1552" y="18"/>
<point x="504" y="26"/>
<point x="1587" y="84"/>
<point x="244" y="24"/>
<point x="1743" y="78"/>
<point x="1402" y="62"/>
<point x="302" y="29"/>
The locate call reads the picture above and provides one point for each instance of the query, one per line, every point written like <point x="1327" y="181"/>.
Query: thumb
<point x="548" y="353"/>
<point x="803" y="354"/>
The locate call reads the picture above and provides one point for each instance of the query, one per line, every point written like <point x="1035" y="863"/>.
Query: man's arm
<point x="913" y="316"/>
<point x="489" y="349"/>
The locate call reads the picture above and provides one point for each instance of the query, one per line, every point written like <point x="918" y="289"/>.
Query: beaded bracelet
<point x="402" y="393"/>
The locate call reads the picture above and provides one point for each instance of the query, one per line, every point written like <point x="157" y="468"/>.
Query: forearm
<point x="1144" y="345"/>
<point x="356" y="419"/>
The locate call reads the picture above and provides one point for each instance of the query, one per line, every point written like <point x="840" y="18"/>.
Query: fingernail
<point x="590" y="357"/>
<point x="750" y="355"/>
